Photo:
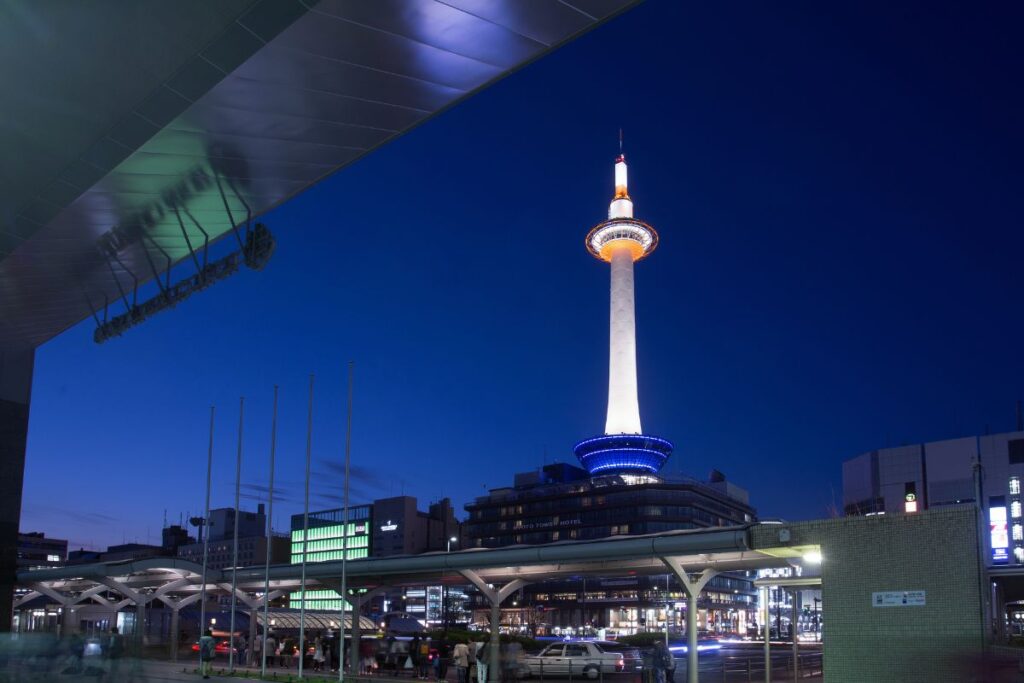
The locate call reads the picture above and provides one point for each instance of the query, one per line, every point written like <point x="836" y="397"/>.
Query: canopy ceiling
<point x="130" y="129"/>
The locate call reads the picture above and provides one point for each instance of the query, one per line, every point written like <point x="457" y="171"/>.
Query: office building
<point x="908" y="479"/>
<point x="35" y="550"/>
<point x="388" y="526"/>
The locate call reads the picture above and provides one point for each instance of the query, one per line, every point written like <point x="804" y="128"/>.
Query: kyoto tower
<point x="623" y="448"/>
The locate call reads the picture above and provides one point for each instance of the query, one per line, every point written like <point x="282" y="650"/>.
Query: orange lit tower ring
<point x="631" y="233"/>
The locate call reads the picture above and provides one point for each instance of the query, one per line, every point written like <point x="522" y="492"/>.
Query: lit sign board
<point x="390" y="526"/>
<point x="898" y="599"/>
<point x="999" y="539"/>
<point x="779" y="572"/>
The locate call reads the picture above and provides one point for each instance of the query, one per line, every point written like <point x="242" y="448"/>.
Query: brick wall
<point x="934" y="551"/>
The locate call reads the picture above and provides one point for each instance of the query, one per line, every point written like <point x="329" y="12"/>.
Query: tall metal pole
<point x="270" y="538"/>
<point x="344" y="547"/>
<point x="305" y="532"/>
<point x="234" y="552"/>
<point x="667" y="603"/>
<point x="206" y="528"/>
<point x="766" y="615"/>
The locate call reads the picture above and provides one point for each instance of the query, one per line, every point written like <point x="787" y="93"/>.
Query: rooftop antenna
<point x="620" y="140"/>
<point x="1020" y="418"/>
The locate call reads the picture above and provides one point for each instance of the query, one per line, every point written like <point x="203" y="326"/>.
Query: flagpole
<point x="234" y="554"/>
<point x="344" y="551"/>
<point x="305" y="532"/>
<point x="206" y="529"/>
<point x="270" y="538"/>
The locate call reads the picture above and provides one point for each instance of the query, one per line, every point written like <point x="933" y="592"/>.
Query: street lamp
<point x="444" y="592"/>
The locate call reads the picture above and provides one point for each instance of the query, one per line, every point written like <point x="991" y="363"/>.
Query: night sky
<point x="838" y="192"/>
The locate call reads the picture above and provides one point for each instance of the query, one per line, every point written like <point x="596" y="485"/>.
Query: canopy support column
<point x="15" y="393"/>
<point x="175" y="628"/>
<point x="253" y="634"/>
<point x="495" y="596"/>
<point x="693" y="587"/>
<point x="140" y="622"/>
<point x="356" y="628"/>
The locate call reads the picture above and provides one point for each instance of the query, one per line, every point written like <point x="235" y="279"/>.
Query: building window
<point x="1018" y="555"/>
<point x="1015" y="509"/>
<point x="1015" y="451"/>
<point x="1014" y="485"/>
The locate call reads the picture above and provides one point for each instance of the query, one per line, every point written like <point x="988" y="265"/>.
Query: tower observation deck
<point x="620" y="241"/>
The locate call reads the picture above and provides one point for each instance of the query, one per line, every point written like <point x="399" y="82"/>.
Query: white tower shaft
<point x="623" y="406"/>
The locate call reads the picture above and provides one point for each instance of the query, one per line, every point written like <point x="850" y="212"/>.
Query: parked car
<point x="574" y="659"/>
<point x="632" y="658"/>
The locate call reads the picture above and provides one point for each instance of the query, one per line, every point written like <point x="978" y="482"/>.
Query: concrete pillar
<point x="140" y="623"/>
<point x="16" y="366"/>
<point x="253" y="634"/>
<point x="355" y="634"/>
<point x="70" y="620"/>
<point x="175" y="628"/>
<point x="495" y="596"/>
<point x="494" y="660"/>
<point x="693" y="589"/>
<point x="692" y="655"/>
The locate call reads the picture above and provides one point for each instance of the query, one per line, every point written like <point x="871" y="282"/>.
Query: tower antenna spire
<point x="620" y="140"/>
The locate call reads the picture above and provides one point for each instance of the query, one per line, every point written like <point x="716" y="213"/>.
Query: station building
<point x="987" y="470"/>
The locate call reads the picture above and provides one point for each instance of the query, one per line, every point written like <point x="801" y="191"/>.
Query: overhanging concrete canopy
<point x="134" y="129"/>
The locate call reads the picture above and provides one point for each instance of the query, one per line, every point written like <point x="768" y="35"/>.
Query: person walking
<point x="483" y="662"/>
<point x="76" y="650"/>
<point x="422" y="657"/>
<point x="414" y="655"/>
<point x="441" y="660"/>
<point x="460" y="655"/>
<point x="243" y="649"/>
<point x="318" y="653"/>
<point x="271" y="649"/>
<point x="114" y="651"/>
<point x="207" y="649"/>
<point x="661" y="661"/>
<point x="471" y="658"/>
<point x="257" y="649"/>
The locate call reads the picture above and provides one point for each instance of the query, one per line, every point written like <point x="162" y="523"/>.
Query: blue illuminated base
<point x="623" y="454"/>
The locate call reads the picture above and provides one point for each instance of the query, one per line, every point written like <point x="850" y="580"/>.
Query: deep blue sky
<point x="838" y="192"/>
